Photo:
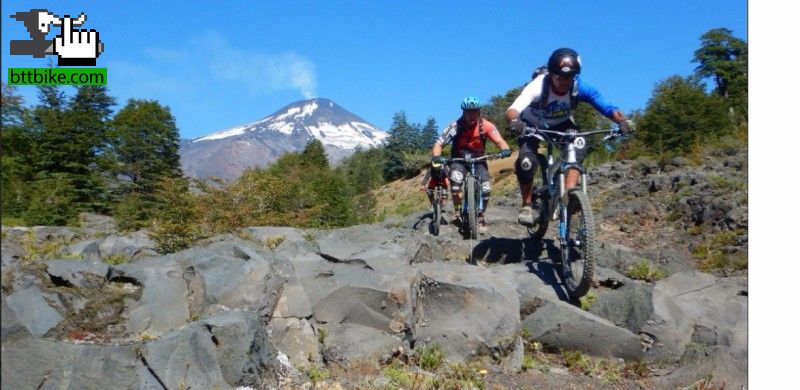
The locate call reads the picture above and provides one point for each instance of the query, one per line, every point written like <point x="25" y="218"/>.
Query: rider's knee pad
<point x="456" y="179"/>
<point x="525" y="166"/>
<point x="486" y="188"/>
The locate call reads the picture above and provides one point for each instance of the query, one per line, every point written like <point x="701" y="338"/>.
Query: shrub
<point x="177" y="225"/>
<point x="51" y="202"/>
<point x="132" y="212"/>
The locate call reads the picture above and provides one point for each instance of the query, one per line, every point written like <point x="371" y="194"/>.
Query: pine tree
<point x="429" y="133"/>
<point x="399" y="141"/>
<point x="723" y="58"/>
<point x="18" y="143"/>
<point x="88" y="117"/>
<point x="144" y="148"/>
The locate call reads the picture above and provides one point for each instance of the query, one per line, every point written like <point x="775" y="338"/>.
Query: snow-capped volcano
<point x="227" y="153"/>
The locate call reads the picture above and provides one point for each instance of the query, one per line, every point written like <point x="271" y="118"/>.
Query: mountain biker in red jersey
<point x="547" y="102"/>
<point x="436" y="175"/>
<point x="468" y="134"/>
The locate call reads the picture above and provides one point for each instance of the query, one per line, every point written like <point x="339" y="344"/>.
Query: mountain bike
<point x="571" y="207"/>
<point x="472" y="200"/>
<point x="438" y="194"/>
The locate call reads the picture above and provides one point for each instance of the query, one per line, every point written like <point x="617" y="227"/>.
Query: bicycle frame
<point x="471" y="163"/>
<point x="471" y="166"/>
<point x="558" y="166"/>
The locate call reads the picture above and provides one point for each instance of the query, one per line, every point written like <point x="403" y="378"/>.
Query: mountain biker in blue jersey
<point x="547" y="102"/>
<point x="469" y="134"/>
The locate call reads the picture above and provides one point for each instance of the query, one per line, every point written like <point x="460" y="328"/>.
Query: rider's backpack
<point x="542" y="71"/>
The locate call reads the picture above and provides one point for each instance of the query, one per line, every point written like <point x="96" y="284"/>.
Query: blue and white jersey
<point x="557" y="108"/>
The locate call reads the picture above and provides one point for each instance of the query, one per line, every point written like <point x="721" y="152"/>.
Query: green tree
<point x="429" y="134"/>
<point x="400" y="141"/>
<point x="723" y="58"/>
<point x="50" y="130"/>
<point x="313" y="155"/>
<point x="143" y="149"/>
<point x="334" y="199"/>
<point x="679" y="115"/>
<point x="88" y="119"/>
<point x="364" y="172"/>
<point x="17" y="157"/>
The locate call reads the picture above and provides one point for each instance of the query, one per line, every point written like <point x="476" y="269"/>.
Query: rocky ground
<point x="392" y="306"/>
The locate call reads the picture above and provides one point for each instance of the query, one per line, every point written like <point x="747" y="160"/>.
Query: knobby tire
<point x="579" y="255"/>
<point x="472" y="209"/>
<point x="437" y="210"/>
<point x="539" y="228"/>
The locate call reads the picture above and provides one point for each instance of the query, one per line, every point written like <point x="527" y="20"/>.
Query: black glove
<point x="437" y="160"/>
<point x="624" y="129"/>
<point x="517" y="125"/>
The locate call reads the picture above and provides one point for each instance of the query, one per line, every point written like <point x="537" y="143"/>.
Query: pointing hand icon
<point x="77" y="47"/>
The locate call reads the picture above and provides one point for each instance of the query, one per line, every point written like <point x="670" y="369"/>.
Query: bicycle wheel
<point x="471" y="197"/>
<point x="437" y="210"/>
<point x="578" y="251"/>
<point x="539" y="227"/>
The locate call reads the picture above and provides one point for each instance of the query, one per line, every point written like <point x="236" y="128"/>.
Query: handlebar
<point x="476" y="159"/>
<point x="568" y="134"/>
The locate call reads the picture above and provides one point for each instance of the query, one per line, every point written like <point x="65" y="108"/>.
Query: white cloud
<point x="259" y="72"/>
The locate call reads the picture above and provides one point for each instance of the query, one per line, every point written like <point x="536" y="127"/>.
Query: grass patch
<point x="119" y="258"/>
<point x="13" y="221"/>
<point x="575" y="361"/>
<point x="274" y="241"/>
<point x="316" y="373"/>
<point x="711" y="255"/>
<point x="245" y="235"/>
<point x="321" y="335"/>
<point x="588" y="300"/>
<point x="607" y="370"/>
<point x="636" y="369"/>
<point x="398" y="375"/>
<point x="529" y="363"/>
<point x="430" y="357"/>
<point x="643" y="270"/>
<point x="49" y="249"/>
<point x="726" y="184"/>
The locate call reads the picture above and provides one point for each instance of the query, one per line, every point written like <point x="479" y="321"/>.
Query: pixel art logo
<point x="73" y="47"/>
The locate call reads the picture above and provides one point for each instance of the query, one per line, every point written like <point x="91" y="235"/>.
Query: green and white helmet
<point x="470" y="103"/>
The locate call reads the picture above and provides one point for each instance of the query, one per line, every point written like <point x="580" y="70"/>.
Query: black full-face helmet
<point x="564" y="62"/>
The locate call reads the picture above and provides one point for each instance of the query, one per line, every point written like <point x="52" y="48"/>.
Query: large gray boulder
<point x="131" y="246"/>
<point x="559" y="325"/>
<point x="694" y="305"/>
<point x="48" y="364"/>
<point x="162" y="306"/>
<point x="467" y="310"/>
<point x="78" y="273"/>
<point x="28" y="308"/>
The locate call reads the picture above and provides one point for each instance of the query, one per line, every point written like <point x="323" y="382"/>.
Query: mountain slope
<point x="227" y="153"/>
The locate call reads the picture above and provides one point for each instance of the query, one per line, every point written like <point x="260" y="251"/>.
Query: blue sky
<point x="217" y="65"/>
